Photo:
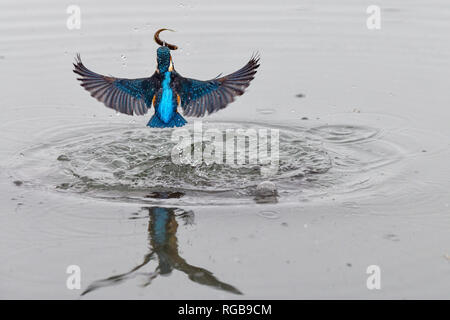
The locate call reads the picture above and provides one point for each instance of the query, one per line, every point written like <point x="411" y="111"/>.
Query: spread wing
<point x="199" y="97"/>
<point x="123" y="95"/>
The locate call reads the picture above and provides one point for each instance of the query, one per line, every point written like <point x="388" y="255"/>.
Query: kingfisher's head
<point x="163" y="56"/>
<point x="164" y="59"/>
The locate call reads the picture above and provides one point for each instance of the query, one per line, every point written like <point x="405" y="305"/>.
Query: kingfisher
<point x="166" y="89"/>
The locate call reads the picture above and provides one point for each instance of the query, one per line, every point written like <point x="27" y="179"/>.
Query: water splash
<point x="135" y="164"/>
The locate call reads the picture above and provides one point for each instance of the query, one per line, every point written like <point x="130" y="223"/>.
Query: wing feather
<point x="201" y="97"/>
<point x="128" y="96"/>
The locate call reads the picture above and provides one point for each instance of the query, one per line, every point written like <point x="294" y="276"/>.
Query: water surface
<point x="363" y="174"/>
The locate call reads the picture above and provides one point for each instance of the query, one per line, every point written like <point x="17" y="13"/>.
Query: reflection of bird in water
<point x="162" y="229"/>
<point x="166" y="90"/>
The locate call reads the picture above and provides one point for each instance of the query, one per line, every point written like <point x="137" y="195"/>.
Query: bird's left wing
<point x="198" y="97"/>
<point x="129" y="96"/>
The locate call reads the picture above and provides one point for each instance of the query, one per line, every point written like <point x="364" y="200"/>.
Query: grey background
<point x="393" y="79"/>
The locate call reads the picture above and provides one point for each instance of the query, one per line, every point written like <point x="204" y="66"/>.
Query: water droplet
<point x="392" y="237"/>
<point x="63" y="157"/>
<point x="268" y="214"/>
<point x="265" y="111"/>
<point x="266" y="189"/>
<point x="124" y="60"/>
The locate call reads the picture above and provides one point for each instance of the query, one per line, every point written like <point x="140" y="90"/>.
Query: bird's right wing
<point x="129" y="96"/>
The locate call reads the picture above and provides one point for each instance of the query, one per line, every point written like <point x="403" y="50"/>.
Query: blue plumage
<point x="166" y="106"/>
<point x="176" y="121"/>
<point x="166" y="90"/>
<point x="163" y="59"/>
<point x="165" y="103"/>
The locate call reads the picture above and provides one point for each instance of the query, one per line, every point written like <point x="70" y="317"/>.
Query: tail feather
<point x="176" y="121"/>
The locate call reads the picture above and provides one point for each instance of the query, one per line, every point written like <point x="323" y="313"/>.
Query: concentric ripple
<point x="131" y="163"/>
